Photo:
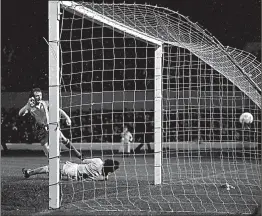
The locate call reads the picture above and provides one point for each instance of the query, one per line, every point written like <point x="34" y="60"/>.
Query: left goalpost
<point x="54" y="151"/>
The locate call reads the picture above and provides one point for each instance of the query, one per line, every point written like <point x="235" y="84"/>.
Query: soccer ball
<point x="246" y="118"/>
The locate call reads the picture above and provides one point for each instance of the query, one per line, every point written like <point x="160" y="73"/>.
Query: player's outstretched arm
<point x="23" y="110"/>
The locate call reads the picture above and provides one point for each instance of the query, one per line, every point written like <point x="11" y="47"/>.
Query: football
<point x="246" y="118"/>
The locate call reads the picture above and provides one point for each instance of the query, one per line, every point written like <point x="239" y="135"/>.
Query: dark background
<point x="25" y="23"/>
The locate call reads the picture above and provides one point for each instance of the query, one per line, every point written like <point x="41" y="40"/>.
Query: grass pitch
<point x="191" y="186"/>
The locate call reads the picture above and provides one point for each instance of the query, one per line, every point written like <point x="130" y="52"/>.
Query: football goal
<point x="179" y="92"/>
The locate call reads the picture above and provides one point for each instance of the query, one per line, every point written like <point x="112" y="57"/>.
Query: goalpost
<point x="54" y="94"/>
<point x="178" y="90"/>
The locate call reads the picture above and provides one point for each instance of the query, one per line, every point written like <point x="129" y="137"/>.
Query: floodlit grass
<point x="187" y="189"/>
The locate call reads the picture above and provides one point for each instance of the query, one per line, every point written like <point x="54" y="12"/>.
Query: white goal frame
<point x="54" y="150"/>
<point x="173" y="42"/>
<point x="54" y="92"/>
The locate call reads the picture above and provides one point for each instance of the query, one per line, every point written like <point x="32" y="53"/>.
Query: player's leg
<point x="138" y="148"/>
<point x="128" y="147"/>
<point x="3" y="143"/>
<point x="46" y="149"/>
<point x="70" y="146"/>
<point x="42" y="136"/>
<point x="122" y="147"/>
<point x="40" y="170"/>
<point x="149" y="149"/>
<point x="148" y="140"/>
<point x="125" y="149"/>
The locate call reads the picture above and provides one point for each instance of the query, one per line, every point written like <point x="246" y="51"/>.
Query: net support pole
<point x="158" y="116"/>
<point x="54" y="149"/>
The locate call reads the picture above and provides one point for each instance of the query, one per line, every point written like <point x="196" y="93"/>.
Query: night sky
<point x="25" y="23"/>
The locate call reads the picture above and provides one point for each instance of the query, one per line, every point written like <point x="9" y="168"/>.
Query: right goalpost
<point x="180" y="93"/>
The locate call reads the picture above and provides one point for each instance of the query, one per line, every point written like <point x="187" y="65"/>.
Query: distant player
<point x="90" y="169"/>
<point x="148" y="136"/>
<point x="4" y="132"/>
<point x="126" y="139"/>
<point x="39" y="110"/>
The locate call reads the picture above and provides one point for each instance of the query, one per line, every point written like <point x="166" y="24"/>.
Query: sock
<point x="66" y="143"/>
<point x="46" y="149"/>
<point x="69" y="145"/>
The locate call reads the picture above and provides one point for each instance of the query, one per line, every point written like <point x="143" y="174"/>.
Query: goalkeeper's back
<point x="95" y="169"/>
<point x="91" y="168"/>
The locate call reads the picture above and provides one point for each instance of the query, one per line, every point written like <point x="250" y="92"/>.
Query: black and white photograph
<point x="146" y="107"/>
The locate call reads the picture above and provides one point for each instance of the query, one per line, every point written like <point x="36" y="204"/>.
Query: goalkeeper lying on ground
<point x="90" y="169"/>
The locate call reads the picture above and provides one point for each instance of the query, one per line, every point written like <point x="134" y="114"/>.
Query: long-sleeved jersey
<point x="89" y="169"/>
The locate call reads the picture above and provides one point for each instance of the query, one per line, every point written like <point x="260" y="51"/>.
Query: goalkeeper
<point x="39" y="110"/>
<point x="90" y="169"/>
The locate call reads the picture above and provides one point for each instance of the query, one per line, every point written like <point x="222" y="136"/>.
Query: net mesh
<point x="210" y="163"/>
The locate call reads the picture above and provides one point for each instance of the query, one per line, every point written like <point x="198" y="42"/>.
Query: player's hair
<point x="36" y="90"/>
<point x="127" y="127"/>
<point x="110" y="166"/>
<point x="31" y="94"/>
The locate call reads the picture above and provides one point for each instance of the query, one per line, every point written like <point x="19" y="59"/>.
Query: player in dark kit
<point x="38" y="108"/>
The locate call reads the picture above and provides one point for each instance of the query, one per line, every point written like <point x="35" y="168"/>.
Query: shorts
<point x="70" y="170"/>
<point x="124" y="147"/>
<point x="41" y="134"/>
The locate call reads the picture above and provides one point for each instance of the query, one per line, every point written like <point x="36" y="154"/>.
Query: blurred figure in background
<point x="126" y="139"/>
<point x="4" y="133"/>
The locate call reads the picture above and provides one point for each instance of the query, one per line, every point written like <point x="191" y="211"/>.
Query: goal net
<point x="180" y="93"/>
